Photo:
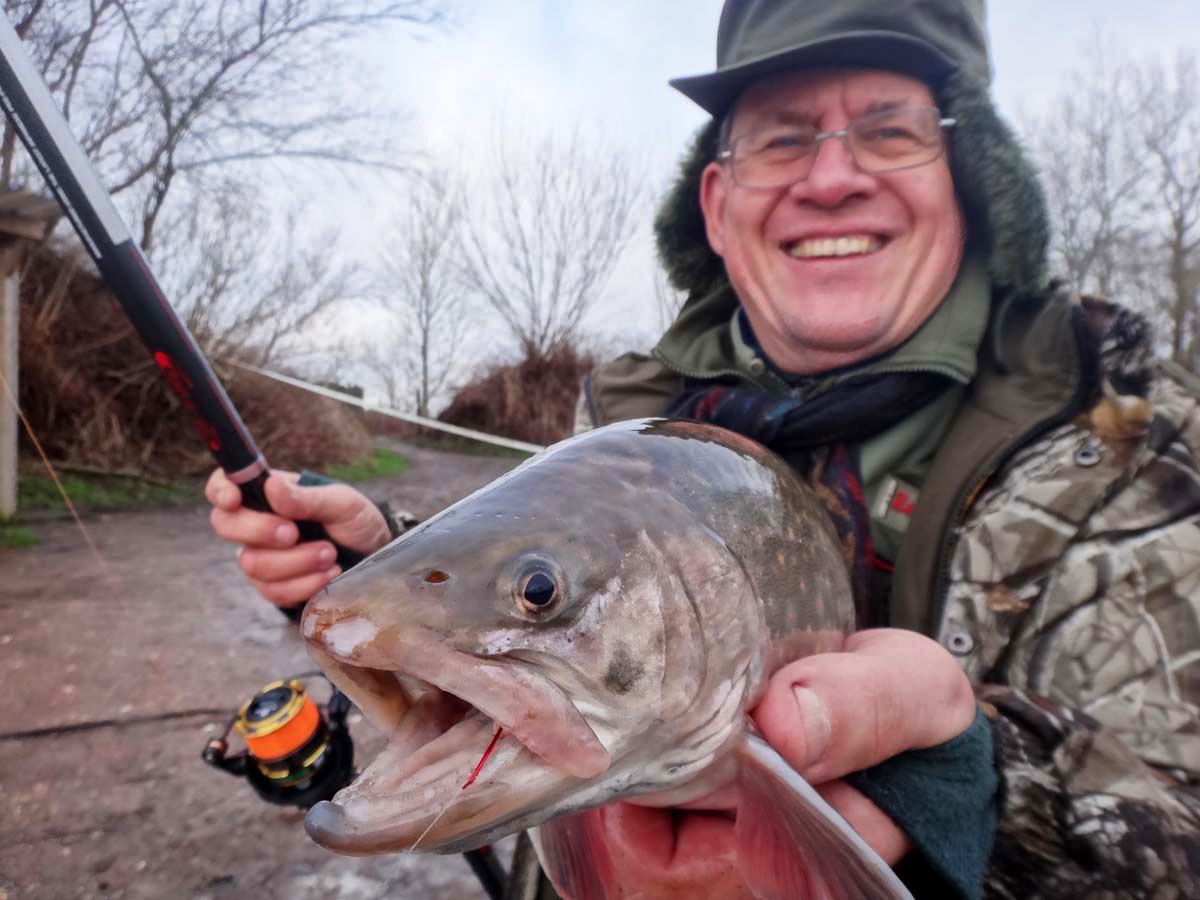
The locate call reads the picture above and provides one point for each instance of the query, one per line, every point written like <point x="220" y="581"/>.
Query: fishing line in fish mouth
<point x="470" y="781"/>
<point x="54" y="477"/>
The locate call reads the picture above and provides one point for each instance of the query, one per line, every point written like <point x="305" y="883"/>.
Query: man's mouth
<point x="834" y="247"/>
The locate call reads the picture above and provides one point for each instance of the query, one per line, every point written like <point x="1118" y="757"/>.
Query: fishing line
<point x="54" y="477"/>
<point x="470" y="781"/>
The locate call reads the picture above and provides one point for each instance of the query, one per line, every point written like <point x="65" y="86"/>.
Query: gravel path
<point x="142" y="654"/>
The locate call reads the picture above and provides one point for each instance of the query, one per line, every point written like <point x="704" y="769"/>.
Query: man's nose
<point x="834" y="176"/>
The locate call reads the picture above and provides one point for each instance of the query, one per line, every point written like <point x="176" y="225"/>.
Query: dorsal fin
<point x="791" y="843"/>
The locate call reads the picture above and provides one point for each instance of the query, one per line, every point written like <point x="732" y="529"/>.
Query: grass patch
<point x="102" y="492"/>
<point x="379" y="464"/>
<point x="16" y="536"/>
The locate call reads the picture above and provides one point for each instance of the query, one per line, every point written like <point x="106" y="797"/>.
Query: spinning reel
<point x="297" y="753"/>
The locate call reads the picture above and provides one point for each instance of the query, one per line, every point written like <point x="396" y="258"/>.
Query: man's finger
<point x="221" y="492"/>
<point x="257" y="529"/>
<point x="294" y="562"/>
<point x="296" y="590"/>
<point x="326" y="503"/>
<point x="887" y="692"/>
<point x="872" y="823"/>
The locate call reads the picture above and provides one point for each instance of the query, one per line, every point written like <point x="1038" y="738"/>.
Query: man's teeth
<point x="840" y="246"/>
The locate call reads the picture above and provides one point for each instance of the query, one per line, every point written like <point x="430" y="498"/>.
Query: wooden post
<point x="25" y="219"/>
<point x="10" y="307"/>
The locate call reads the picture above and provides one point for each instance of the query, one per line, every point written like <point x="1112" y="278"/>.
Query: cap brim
<point x="716" y="91"/>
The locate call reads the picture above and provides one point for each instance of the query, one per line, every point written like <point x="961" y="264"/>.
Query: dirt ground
<point x="115" y="670"/>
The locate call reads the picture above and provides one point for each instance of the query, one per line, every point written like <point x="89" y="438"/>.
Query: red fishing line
<point x="483" y="759"/>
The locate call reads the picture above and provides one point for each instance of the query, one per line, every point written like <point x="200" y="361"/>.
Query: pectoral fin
<point x="791" y="843"/>
<point x="575" y="856"/>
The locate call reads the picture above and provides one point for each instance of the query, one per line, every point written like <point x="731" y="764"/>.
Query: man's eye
<point x="889" y="133"/>
<point x="788" y="141"/>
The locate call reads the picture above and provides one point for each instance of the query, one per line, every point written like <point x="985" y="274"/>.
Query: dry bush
<point x="94" y="397"/>
<point x="533" y="400"/>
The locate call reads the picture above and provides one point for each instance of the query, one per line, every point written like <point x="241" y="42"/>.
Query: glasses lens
<point x="896" y="139"/>
<point x="773" y="156"/>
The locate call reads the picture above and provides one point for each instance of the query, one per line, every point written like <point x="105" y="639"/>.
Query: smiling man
<point x="1013" y="476"/>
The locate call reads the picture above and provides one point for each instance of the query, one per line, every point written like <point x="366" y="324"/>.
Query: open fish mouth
<point x="440" y="711"/>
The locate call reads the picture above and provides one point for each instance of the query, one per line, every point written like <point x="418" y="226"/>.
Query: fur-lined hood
<point x="1001" y="199"/>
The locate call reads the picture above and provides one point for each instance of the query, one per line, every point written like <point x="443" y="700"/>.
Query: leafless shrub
<point x="95" y="398"/>
<point x="533" y="400"/>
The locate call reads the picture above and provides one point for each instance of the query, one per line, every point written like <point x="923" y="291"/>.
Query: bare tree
<point x="1169" y="113"/>
<point x="59" y="35"/>
<point x="553" y="219"/>
<point x="160" y="90"/>
<point x="422" y="292"/>
<point x="246" y="295"/>
<point x="1093" y="170"/>
<point x="1119" y="150"/>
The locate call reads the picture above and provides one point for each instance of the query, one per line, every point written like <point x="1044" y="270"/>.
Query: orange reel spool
<point x="278" y="721"/>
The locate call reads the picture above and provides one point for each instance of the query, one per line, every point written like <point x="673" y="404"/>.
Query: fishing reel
<point x="297" y="753"/>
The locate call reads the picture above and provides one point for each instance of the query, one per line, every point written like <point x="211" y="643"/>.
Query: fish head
<point x="547" y="605"/>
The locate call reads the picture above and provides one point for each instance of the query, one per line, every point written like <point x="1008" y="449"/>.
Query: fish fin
<point x="791" y="843"/>
<point x="575" y="855"/>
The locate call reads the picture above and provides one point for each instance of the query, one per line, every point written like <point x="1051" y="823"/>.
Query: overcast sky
<point x="545" y="63"/>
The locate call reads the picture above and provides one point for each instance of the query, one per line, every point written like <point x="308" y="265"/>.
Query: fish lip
<point x="380" y="812"/>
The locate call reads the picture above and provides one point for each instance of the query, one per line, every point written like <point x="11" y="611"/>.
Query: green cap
<point x="927" y="39"/>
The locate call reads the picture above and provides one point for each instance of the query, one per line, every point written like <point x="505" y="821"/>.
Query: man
<point x="1011" y="474"/>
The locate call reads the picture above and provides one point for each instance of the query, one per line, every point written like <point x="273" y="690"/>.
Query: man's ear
<point x="714" y="191"/>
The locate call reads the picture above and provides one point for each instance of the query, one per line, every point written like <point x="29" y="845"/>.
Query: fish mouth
<point x="440" y="711"/>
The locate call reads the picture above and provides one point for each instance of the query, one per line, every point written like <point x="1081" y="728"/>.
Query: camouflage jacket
<point x="1069" y="589"/>
<point x="1073" y="600"/>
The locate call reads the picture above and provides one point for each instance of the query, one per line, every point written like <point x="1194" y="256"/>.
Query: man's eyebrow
<point x="788" y="117"/>
<point x="884" y="106"/>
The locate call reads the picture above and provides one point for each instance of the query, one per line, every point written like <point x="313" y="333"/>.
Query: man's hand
<point x="886" y="692"/>
<point x="286" y="572"/>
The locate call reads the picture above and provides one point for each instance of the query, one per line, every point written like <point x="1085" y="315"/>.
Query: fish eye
<point x="536" y="590"/>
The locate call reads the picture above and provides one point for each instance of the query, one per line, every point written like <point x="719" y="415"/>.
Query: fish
<point x="611" y="610"/>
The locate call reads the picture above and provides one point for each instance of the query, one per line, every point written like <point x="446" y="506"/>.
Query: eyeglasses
<point x="883" y="141"/>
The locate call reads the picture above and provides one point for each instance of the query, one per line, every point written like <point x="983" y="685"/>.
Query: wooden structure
<point x="25" y="218"/>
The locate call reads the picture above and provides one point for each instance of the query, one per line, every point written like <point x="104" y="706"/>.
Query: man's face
<point x="817" y="304"/>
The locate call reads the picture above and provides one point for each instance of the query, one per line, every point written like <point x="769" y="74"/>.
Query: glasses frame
<point x="727" y="154"/>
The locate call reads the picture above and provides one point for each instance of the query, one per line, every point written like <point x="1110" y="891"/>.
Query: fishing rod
<point x="70" y="176"/>
<point x="81" y="194"/>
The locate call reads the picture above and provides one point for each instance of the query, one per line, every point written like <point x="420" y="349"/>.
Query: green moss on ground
<point x="101" y="492"/>
<point x="379" y="464"/>
<point x="15" y="536"/>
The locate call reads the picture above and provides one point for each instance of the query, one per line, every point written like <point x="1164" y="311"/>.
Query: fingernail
<point x="328" y="555"/>
<point x="226" y="497"/>
<point x="283" y="534"/>
<point x="817" y="725"/>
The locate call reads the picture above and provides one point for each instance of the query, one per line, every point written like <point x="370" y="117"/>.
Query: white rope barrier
<point x="394" y="413"/>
